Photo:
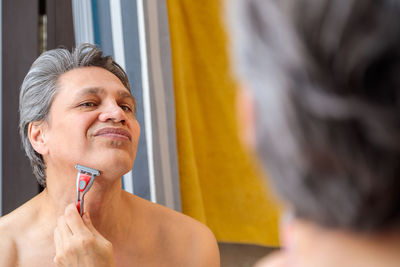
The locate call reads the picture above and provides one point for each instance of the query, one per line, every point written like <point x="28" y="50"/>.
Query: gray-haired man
<point x="77" y="108"/>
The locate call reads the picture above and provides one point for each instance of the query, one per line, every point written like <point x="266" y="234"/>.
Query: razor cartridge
<point x="84" y="182"/>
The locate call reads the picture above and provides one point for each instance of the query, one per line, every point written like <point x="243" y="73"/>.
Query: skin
<point x="310" y="245"/>
<point x="118" y="228"/>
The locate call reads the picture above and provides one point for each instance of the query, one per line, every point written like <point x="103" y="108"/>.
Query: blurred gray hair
<point x="325" y="79"/>
<point x="40" y="87"/>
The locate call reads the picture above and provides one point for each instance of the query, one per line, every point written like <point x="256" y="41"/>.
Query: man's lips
<point x="113" y="132"/>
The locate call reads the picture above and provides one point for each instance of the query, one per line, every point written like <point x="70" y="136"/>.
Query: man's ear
<point x="37" y="136"/>
<point x="246" y="117"/>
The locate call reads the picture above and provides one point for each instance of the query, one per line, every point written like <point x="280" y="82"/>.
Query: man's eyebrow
<point x="90" y="91"/>
<point x="99" y="90"/>
<point x="125" y="94"/>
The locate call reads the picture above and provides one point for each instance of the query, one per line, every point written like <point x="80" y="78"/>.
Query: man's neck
<point x="104" y="201"/>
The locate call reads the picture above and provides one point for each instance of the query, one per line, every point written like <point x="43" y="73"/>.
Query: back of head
<point x="325" y="75"/>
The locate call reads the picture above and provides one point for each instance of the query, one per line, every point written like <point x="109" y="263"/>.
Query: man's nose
<point x="112" y="112"/>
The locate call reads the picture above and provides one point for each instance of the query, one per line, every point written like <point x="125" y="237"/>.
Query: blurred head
<point x="325" y="83"/>
<point x="42" y="84"/>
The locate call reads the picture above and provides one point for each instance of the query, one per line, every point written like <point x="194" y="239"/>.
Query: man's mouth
<point x="114" y="133"/>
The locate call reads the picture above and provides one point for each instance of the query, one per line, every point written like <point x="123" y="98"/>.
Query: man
<point x="321" y="99"/>
<point x="77" y="108"/>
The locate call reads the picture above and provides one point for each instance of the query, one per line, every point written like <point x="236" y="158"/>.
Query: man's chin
<point x="118" y="143"/>
<point x="109" y="161"/>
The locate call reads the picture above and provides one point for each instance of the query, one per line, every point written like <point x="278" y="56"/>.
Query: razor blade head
<point x="87" y="170"/>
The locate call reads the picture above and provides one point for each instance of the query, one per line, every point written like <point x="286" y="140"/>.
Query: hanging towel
<point x="220" y="184"/>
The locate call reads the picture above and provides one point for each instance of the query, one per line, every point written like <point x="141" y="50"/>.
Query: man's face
<point x="92" y="122"/>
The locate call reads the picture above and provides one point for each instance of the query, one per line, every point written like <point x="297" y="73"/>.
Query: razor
<point x="84" y="182"/>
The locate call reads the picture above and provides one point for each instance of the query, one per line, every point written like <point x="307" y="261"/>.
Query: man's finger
<point x="63" y="228"/>
<point x="58" y="241"/>
<point x="74" y="220"/>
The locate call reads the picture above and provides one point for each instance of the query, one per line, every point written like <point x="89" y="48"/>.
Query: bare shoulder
<point x="197" y="246"/>
<point x="8" y="248"/>
<point x="13" y="232"/>
<point x="188" y="240"/>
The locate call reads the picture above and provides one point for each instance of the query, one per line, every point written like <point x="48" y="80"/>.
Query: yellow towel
<point x="220" y="185"/>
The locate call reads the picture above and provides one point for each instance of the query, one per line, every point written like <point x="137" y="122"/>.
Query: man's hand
<point x="78" y="243"/>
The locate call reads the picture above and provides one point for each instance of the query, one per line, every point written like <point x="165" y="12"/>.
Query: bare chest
<point x="35" y="252"/>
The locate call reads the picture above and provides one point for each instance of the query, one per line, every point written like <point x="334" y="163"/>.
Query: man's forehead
<point x="80" y="74"/>
<point x="87" y="78"/>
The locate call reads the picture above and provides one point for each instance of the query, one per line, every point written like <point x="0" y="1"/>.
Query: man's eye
<point x="88" y="104"/>
<point x="126" y="108"/>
